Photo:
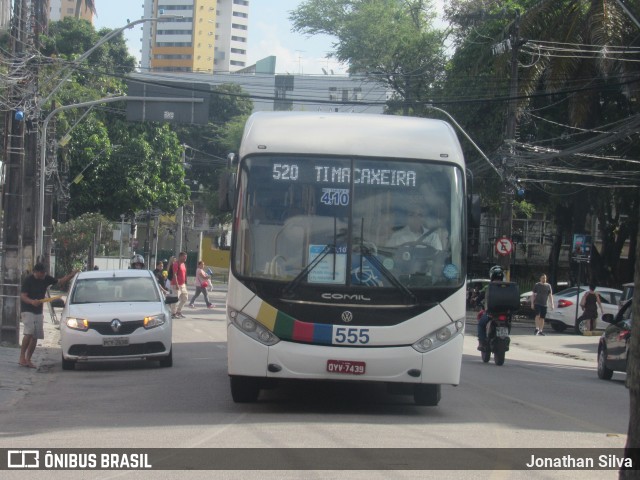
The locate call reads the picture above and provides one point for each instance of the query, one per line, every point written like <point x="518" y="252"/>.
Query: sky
<point x="269" y="34"/>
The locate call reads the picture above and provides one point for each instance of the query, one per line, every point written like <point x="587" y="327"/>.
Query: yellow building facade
<point x="195" y="55"/>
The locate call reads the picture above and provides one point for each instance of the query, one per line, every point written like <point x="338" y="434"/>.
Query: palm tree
<point x="89" y="5"/>
<point x="578" y="51"/>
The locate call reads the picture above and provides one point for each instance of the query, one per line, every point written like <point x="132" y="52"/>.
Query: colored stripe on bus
<point x="284" y="326"/>
<point x="288" y="328"/>
<point x="267" y="315"/>
<point x="322" y="333"/>
<point x="303" y="332"/>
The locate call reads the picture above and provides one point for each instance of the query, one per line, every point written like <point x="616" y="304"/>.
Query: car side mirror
<point x="607" y="318"/>
<point x="57" y="303"/>
<point x="170" y="299"/>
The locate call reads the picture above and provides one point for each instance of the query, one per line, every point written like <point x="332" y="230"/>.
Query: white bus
<point x="348" y="253"/>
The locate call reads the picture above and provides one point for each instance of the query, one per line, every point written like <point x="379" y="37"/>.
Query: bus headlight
<point x="251" y="327"/>
<point x="439" y="337"/>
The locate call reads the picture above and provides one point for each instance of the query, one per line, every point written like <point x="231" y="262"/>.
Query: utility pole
<point x="12" y="201"/>
<point x="506" y="215"/>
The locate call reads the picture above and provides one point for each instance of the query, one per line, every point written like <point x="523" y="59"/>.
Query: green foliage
<point x="97" y="76"/>
<point x="125" y="167"/>
<point x="522" y="208"/>
<point x="391" y="41"/>
<point x="210" y="144"/>
<point x="228" y="101"/>
<point x="143" y="172"/>
<point x="75" y="237"/>
<point x="566" y="99"/>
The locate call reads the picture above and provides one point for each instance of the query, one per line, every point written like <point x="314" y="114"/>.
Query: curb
<point x="593" y="333"/>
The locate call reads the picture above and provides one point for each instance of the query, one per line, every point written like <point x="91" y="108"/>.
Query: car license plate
<point x="115" y="342"/>
<point x="346" y="366"/>
<point x="502" y="332"/>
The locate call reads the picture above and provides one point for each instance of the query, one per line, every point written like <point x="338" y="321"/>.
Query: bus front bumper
<point x="288" y="360"/>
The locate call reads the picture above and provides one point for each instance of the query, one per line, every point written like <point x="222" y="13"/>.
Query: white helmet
<point x="137" y="261"/>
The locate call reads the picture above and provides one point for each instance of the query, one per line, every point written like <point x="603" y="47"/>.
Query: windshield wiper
<point x="366" y="252"/>
<point x="287" y="291"/>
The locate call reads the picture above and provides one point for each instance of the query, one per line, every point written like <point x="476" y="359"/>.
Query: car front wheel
<point x="168" y="360"/>
<point x="68" y="364"/>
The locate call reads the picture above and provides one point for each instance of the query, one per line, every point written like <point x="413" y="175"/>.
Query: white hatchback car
<point x="566" y="308"/>
<point x="116" y="315"/>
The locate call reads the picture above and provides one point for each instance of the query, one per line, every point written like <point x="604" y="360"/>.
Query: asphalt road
<point x="547" y="395"/>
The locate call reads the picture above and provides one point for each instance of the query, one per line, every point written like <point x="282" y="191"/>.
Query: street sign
<point x="581" y="247"/>
<point x="184" y="112"/>
<point x="504" y="246"/>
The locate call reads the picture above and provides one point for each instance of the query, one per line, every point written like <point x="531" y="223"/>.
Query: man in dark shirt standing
<point x="160" y="277"/>
<point x="34" y="289"/>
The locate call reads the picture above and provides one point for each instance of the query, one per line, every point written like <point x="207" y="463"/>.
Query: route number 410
<point x="351" y="335"/>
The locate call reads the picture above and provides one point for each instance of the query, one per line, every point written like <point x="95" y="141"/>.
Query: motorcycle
<point x="497" y="342"/>
<point x="502" y="300"/>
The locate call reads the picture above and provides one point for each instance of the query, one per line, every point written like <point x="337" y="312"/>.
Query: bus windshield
<point x="366" y="222"/>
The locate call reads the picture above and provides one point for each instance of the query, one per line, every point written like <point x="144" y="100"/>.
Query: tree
<point x="144" y="172"/>
<point x="88" y="4"/>
<point x="126" y="167"/>
<point x="209" y="145"/>
<point x="76" y="237"/>
<point x="566" y="100"/>
<point x="389" y="41"/>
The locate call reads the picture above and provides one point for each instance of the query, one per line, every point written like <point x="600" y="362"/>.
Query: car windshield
<point x="110" y="290"/>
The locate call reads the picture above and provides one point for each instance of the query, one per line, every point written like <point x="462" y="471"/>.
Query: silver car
<point x="566" y="308"/>
<point x="116" y="315"/>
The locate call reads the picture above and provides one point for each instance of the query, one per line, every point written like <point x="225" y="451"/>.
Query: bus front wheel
<point x="426" y="395"/>
<point x="244" y="389"/>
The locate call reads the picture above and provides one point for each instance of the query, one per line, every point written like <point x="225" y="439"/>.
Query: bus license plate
<point x="115" y="342"/>
<point x="346" y="366"/>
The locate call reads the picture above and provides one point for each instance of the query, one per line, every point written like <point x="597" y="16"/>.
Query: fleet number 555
<point x="351" y="335"/>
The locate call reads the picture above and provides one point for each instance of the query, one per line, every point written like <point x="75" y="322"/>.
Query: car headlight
<point x="251" y="327"/>
<point x="154" y="321"/>
<point x="77" y="323"/>
<point x="439" y="337"/>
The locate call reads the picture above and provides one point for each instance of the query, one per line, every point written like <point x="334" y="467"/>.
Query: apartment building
<point x="210" y="36"/>
<point x="59" y="9"/>
<point x="5" y="14"/>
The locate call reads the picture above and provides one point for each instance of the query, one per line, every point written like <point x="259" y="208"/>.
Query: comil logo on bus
<point x="23" y="459"/>
<point x="345" y="296"/>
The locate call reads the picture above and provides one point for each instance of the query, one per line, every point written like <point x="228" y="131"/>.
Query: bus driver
<point x="425" y="228"/>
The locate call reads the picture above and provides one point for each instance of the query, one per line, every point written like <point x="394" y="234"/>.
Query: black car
<point x="614" y="342"/>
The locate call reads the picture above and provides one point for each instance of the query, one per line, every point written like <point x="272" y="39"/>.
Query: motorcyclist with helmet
<point x="137" y="261"/>
<point x="496" y="274"/>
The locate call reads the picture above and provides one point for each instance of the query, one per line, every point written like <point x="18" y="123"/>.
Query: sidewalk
<point x="16" y="381"/>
